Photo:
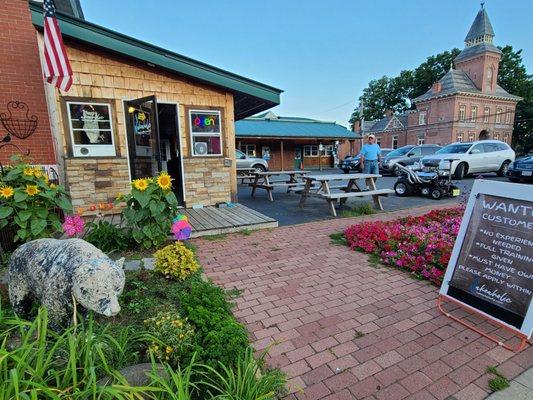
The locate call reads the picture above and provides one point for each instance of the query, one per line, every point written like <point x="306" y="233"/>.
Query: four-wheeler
<point x="435" y="184"/>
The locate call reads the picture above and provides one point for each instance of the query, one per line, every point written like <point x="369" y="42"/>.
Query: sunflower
<point x="31" y="190"/>
<point x="140" y="184"/>
<point x="28" y="171"/>
<point x="38" y="173"/>
<point x="164" y="181"/>
<point x="6" y="192"/>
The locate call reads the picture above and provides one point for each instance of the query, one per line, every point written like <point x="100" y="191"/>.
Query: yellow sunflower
<point x="28" y="171"/>
<point x="6" y="192"/>
<point x="52" y="185"/>
<point x="140" y="184"/>
<point x="164" y="181"/>
<point x="31" y="190"/>
<point x="38" y="173"/>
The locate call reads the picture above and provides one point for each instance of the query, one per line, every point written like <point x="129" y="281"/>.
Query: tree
<point x="513" y="77"/>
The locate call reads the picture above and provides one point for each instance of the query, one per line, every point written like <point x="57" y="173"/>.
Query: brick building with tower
<point x="466" y="104"/>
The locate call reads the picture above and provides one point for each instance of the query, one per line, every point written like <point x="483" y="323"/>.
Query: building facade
<point x="293" y="142"/>
<point x="466" y="104"/>
<point x="133" y="110"/>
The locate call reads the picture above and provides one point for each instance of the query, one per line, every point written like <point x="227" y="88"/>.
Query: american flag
<point x="57" y="70"/>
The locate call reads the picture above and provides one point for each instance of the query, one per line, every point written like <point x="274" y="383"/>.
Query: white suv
<point x="472" y="157"/>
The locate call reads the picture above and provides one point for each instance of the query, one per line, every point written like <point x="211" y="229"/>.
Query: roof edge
<point x="119" y="43"/>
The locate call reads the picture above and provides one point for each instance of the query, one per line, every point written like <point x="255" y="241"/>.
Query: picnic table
<point x="262" y="180"/>
<point x="245" y="174"/>
<point x="320" y="186"/>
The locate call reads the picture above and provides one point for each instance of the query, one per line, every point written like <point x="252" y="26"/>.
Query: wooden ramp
<point x="214" y="220"/>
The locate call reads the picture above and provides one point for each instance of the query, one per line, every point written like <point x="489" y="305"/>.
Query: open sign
<point x="205" y="121"/>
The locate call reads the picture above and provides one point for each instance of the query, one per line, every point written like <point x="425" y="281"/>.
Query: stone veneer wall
<point x="104" y="77"/>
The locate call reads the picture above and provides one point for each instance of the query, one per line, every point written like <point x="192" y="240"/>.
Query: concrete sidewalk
<point x="343" y="328"/>
<point x="521" y="388"/>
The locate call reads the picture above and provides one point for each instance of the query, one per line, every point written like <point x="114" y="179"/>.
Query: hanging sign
<point x="491" y="266"/>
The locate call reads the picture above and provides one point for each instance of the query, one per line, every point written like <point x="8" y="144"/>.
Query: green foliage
<point x="358" y="334"/>
<point x="173" y="333"/>
<point x="107" y="236"/>
<point x="215" y="237"/>
<point x="30" y="203"/>
<point x="175" y="261"/>
<point x="245" y="381"/>
<point x="499" y="382"/>
<point x="150" y="208"/>
<point x="361" y="209"/>
<point x="45" y="365"/>
<point x="338" y="239"/>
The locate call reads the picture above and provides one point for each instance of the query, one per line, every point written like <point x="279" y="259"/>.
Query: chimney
<point x="357" y="126"/>
<point x="437" y="87"/>
<point x="389" y="112"/>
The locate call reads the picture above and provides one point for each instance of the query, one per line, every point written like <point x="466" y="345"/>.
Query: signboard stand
<point x="523" y="338"/>
<point x="490" y="272"/>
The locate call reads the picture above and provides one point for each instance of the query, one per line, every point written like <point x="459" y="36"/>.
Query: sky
<point x="322" y="54"/>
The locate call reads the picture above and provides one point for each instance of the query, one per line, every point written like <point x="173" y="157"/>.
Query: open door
<point x="154" y="141"/>
<point x="143" y="137"/>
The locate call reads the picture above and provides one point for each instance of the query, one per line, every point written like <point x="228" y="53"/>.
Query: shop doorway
<point x="154" y="141"/>
<point x="297" y="158"/>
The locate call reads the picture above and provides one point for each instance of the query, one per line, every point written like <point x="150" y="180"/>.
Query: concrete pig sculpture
<point x="56" y="271"/>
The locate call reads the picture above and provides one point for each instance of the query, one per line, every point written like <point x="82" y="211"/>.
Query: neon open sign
<point x="204" y="121"/>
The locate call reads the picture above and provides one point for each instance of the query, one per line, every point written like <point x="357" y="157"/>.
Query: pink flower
<point x="73" y="225"/>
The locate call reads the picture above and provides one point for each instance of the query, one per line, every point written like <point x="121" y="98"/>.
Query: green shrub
<point x="174" y="336"/>
<point x="31" y="203"/>
<point x="107" y="236"/>
<point x="150" y="207"/>
<point x="175" y="261"/>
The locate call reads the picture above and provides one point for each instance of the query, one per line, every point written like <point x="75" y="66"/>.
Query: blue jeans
<point x="371" y="167"/>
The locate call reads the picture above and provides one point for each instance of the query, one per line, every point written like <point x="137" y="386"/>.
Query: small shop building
<point x="293" y="142"/>
<point x="135" y="109"/>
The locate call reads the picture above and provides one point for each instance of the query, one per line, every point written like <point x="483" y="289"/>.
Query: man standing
<point x="370" y="156"/>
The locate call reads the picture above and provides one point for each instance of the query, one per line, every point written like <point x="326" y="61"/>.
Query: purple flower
<point x="73" y="225"/>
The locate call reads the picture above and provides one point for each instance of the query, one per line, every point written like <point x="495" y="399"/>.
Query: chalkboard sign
<point x="491" y="267"/>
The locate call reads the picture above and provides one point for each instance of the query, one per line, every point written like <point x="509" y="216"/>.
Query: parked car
<point x="406" y="156"/>
<point x="244" y="161"/>
<point x="472" y="157"/>
<point x="351" y="163"/>
<point x="521" y="170"/>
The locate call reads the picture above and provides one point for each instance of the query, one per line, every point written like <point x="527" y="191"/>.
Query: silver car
<point x="244" y="161"/>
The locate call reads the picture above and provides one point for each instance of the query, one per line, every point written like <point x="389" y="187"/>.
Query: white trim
<point x="502" y="189"/>
<point x="104" y="150"/>
<point x="206" y="134"/>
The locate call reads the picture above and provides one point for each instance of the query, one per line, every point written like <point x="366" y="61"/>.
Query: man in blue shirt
<point x="370" y="156"/>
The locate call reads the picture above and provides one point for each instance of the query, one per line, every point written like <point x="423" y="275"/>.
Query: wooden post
<point x="281" y="150"/>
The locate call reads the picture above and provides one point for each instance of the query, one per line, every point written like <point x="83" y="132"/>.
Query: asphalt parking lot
<point x="286" y="210"/>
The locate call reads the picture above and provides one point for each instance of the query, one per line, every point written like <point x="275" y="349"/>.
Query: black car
<point x="351" y="163"/>
<point x="406" y="155"/>
<point x="521" y="170"/>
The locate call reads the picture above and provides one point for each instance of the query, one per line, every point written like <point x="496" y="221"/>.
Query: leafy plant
<point x="175" y="261"/>
<point x="30" y="202"/>
<point x="150" y="207"/>
<point x="107" y="236"/>
<point x="338" y="239"/>
<point x="173" y="333"/>
<point x="499" y="382"/>
<point x="245" y="381"/>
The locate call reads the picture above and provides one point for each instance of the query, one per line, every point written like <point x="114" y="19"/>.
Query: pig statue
<point x="56" y="271"/>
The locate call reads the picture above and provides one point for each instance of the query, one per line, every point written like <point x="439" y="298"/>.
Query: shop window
<point x="311" y="151"/>
<point x="248" y="149"/>
<point x="91" y="129"/>
<point x="206" y="132"/>
<point x="422" y="118"/>
<point x="486" y="114"/>
<point x="473" y="113"/>
<point x="498" y="115"/>
<point x="395" y="142"/>
<point x="265" y="153"/>
<point x="462" y="113"/>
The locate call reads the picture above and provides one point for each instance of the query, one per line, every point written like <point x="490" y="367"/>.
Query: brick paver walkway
<point x="346" y="329"/>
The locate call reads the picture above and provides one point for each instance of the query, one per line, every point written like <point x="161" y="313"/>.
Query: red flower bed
<point x="421" y="245"/>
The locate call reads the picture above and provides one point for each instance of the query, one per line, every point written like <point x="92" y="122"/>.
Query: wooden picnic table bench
<point x="262" y="181"/>
<point x="246" y="174"/>
<point x="351" y="189"/>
